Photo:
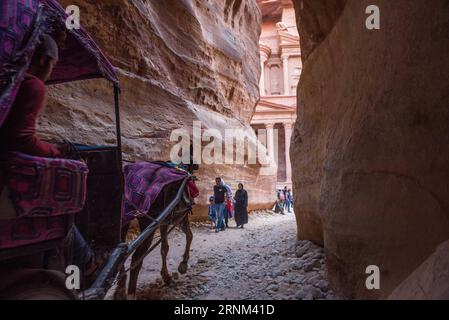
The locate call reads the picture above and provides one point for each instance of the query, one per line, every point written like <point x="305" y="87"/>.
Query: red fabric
<point x="194" y="192"/>
<point x="228" y="204"/>
<point x="19" y="130"/>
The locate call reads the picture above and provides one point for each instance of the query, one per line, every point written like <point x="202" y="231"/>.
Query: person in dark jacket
<point x="220" y="204"/>
<point x="289" y="200"/>
<point x="285" y="192"/>
<point x="241" y="206"/>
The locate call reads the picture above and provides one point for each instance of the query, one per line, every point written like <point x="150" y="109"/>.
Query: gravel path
<point x="262" y="261"/>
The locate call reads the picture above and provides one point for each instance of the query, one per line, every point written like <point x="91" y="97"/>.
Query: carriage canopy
<point x="22" y="22"/>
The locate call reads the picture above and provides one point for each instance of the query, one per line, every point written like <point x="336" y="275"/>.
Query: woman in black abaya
<point x="241" y="207"/>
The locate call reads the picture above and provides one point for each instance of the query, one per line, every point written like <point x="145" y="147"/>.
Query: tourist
<point x="241" y="206"/>
<point x="279" y="205"/>
<point x="220" y="205"/>
<point x="212" y="213"/>
<point x="281" y="198"/>
<point x="284" y="192"/>
<point x="229" y="207"/>
<point x="289" y="200"/>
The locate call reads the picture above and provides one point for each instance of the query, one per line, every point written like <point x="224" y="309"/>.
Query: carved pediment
<point x="288" y="39"/>
<point x="266" y="106"/>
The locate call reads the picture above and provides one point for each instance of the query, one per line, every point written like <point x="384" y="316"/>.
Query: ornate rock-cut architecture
<point x="281" y="69"/>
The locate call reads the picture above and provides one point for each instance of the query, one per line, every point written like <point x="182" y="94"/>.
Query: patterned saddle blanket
<point x="143" y="183"/>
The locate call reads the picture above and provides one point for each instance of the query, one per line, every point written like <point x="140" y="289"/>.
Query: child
<point x="229" y="208"/>
<point x="212" y="213"/>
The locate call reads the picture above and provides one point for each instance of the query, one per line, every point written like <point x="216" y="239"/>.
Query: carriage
<point x="41" y="199"/>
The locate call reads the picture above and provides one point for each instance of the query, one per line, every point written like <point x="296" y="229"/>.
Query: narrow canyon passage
<point x="342" y="104"/>
<point x="262" y="261"/>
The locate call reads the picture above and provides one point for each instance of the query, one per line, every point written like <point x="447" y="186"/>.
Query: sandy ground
<point x="262" y="261"/>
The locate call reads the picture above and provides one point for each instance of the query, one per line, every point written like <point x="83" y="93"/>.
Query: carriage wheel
<point x="40" y="291"/>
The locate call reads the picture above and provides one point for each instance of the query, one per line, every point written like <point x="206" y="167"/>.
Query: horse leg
<point x="136" y="266"/>
<point x="164" y="252"/>
<point x="189" y="237"/>
<point x="120" y="291"/>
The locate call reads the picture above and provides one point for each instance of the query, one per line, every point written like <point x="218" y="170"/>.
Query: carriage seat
<point x="42" y="186"/>
<point x="36" y="195"/>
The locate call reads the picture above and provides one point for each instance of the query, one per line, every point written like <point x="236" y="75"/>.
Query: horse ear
<point x="60" y="35"/>
<point x="191" y="153"/>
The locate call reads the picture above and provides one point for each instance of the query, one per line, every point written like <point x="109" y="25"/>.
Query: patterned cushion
<point x="20" y="232"/>
<point x="44" y="187"/>
<point x="7" y="209"/>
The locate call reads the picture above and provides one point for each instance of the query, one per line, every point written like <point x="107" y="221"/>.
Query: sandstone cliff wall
<point x="369" y="151"/>
<point x="178" y="61"/>
<point x="430" y="281"/>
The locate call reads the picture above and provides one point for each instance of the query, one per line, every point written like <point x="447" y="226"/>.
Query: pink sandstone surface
<point x="179" y="62"/>
<point x="370" y="156"/>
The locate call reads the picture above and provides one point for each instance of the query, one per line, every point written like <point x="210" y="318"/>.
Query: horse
<point x="178" y="218"/>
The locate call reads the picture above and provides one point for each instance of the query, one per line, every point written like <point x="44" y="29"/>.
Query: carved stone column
<point x="285" y="67"/>
<point x="270" y="140"/>
<point x="263" y="61"/>
<point x="288" y="129"/>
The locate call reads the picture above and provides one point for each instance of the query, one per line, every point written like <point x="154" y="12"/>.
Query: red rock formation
<point x="428" y="282"/>
<point x="178" y="61"/>
<point x="370" y="156"/>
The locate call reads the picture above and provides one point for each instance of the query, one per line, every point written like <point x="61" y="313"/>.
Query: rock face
<point x="369" y="152"/>
<point x="428" y="282"/>
<point x="179" y="61"/>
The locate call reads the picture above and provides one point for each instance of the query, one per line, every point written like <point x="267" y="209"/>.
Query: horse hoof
<point x="182" y="268"/>
<point x="167" y="279"/>
<point x="120" y="295"/>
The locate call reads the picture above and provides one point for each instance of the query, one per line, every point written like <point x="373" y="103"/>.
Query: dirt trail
<point x="262" y="261"/>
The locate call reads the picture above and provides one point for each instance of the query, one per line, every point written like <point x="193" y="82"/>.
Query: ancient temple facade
<point x="281" y="65"/>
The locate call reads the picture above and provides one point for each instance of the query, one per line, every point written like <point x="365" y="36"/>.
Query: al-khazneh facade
<point x="281" y="64"/>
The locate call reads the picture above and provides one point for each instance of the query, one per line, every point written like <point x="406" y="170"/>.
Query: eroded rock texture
<point x="430" y="281"/>
<point x="179" y="61"/>
<point x="370" y="156"/>
<point x="317" y="18"/>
